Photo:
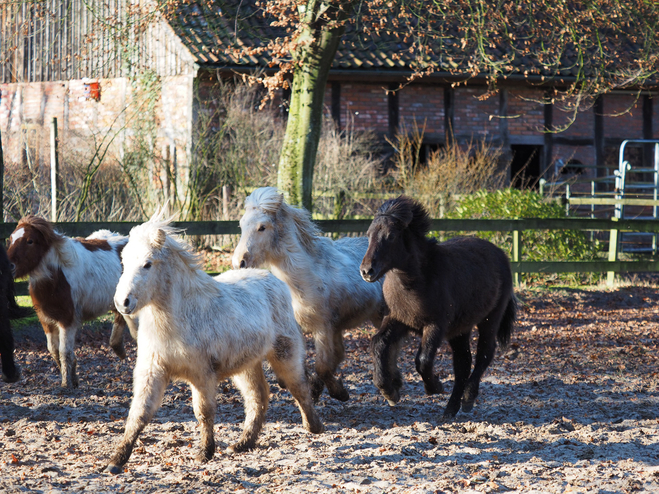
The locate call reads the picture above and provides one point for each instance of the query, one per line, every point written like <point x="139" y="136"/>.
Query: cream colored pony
<point x="201" y="330"/>
<point x="329" y="295"/>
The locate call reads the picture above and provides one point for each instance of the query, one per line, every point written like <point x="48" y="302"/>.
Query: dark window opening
<point x="525" y="169"/>
<point x="426" y="151"/>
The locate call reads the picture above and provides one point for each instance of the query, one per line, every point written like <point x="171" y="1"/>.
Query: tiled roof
<point x="210" y="30"/>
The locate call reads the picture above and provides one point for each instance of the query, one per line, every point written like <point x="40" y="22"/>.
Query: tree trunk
<point x="298" y="155"/>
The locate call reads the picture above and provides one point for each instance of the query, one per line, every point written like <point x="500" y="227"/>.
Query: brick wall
<point x="366" y="105"/>
<point x="623" y="116"/>
<point x="473" y="116"/>
<point x="30" y="107"/>
<point x="423" y="106"/>
<point x="526" y="115"/>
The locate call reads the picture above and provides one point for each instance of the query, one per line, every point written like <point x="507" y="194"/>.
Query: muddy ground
<point x="572" y="406"/>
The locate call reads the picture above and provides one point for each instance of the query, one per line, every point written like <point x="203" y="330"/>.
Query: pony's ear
<point x="274" y="205"/>
<point x="158" y="239"/>
<point x="405" y="216"/>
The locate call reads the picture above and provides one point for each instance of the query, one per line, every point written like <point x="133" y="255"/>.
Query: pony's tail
<point x="507" y="323"/>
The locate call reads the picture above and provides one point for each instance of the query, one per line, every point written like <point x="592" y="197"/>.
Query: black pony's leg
<point x="385" y="346"/>
<point x="461" y="368"/>
<point x="10" y="372"/>
<point x="487" y="333"/>
<point x="425" y="358"/>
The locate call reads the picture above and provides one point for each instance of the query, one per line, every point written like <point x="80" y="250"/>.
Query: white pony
<point x="329" y="294"/>
<point x="201" y="330"/>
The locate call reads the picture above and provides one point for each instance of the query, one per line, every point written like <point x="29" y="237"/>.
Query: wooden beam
<point x="449" y="113"/>
<point x="504" y="132"/>
<point x="648" y="132"/>
<point x="336" y="103"/>
<point x="571" y="141"/>
<point x="598" y="137"/>
<point x="548" y="149"/>
<point x="393" y="103"/>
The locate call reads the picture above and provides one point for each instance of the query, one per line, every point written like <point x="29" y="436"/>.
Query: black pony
<point x="439" y="291"/>
<point x="9" y="309"/>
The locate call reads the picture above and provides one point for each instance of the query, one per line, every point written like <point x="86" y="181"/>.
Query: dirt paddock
<point x="572" y="406"/>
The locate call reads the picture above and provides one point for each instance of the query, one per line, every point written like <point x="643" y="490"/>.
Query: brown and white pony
<point x="72" y="280"/>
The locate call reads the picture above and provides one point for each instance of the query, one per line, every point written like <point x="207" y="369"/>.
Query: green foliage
<point x="537" y="245"/>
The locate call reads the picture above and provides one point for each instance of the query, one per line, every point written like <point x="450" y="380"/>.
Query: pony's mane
<point x="146" y="232"/>
<point x="44" y="227"/>
<point x="271" y="201"/>
<point x="408" y="211"/>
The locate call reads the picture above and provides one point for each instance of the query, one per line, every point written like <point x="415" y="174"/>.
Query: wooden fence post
<point x="226" y="198"/>
<point x="2" y="182"/>
<point x="54" y="169"/>
<point x="516" y="254"/>
<point x="613" y="255"/>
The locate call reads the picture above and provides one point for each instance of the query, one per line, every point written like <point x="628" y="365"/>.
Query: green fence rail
<point x="516" y="226"/>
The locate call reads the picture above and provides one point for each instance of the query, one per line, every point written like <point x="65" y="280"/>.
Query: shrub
<point x="448" y="172"/>
<point x="536" y="245"/>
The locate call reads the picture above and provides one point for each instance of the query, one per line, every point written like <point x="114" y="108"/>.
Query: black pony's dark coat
<point x="9" y="309"/>
<point x="439" y="291"/>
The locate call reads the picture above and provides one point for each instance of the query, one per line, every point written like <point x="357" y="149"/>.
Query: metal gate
<point x="637" y="182"/>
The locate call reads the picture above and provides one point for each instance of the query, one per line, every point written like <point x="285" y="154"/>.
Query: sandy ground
<point x="572" y="406"/>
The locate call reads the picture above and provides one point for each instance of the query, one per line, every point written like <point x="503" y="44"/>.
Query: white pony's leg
<point x="330" y="352"/>
<point x="149" y="383"/>
<point x="68" y="363"/>
<point x="287" y="361"/>
<point x="204" y="405"/>
<point x="255" y="392"/>
<point x="52" y="341"/>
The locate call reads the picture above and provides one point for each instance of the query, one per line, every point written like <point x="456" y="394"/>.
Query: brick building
<point x="47" y="71"/>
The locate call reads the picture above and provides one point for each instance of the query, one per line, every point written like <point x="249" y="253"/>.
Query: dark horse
<point x="439" y="291"/>
<point x="9" y="309"/>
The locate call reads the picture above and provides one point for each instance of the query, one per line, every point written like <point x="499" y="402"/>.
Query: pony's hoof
<point x="119" y="352"/>
<point x="12" y="378"/>
<point x="467" y="406"/>
<point x="392" y="398"/>
<point x="316" y="427"/>
<point x="203" y="457"/>
<point x="434" y="388"/>
<point x="114" y="469"/>
<point x="240" y="447"/>
<point x="449" y="414"/>
<point x="341" y="395"/>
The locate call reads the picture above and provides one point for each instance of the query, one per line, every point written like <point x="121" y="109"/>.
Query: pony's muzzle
<point x="125" y="305"/>
<point x="368" y="273"/>
<point x="240" y="262"/>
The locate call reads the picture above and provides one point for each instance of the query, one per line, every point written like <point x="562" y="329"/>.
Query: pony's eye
<point x="147" y="265"/>
<point x="30" y="242"/>
<point x="261" y="228"/>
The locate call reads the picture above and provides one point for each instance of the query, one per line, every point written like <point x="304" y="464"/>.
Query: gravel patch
<point x="572" y="406"/>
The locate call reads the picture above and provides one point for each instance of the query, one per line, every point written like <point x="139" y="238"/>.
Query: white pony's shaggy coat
<point x="329" y="294"/>
<point x="201" y="330"/>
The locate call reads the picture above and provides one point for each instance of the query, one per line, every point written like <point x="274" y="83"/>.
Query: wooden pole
<point x="2" y="182"/>
<point x="613" y="255"/>
<point x="516" y="254"/>
<point x="54" y="169"/>
<point x="226" y="197"/>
